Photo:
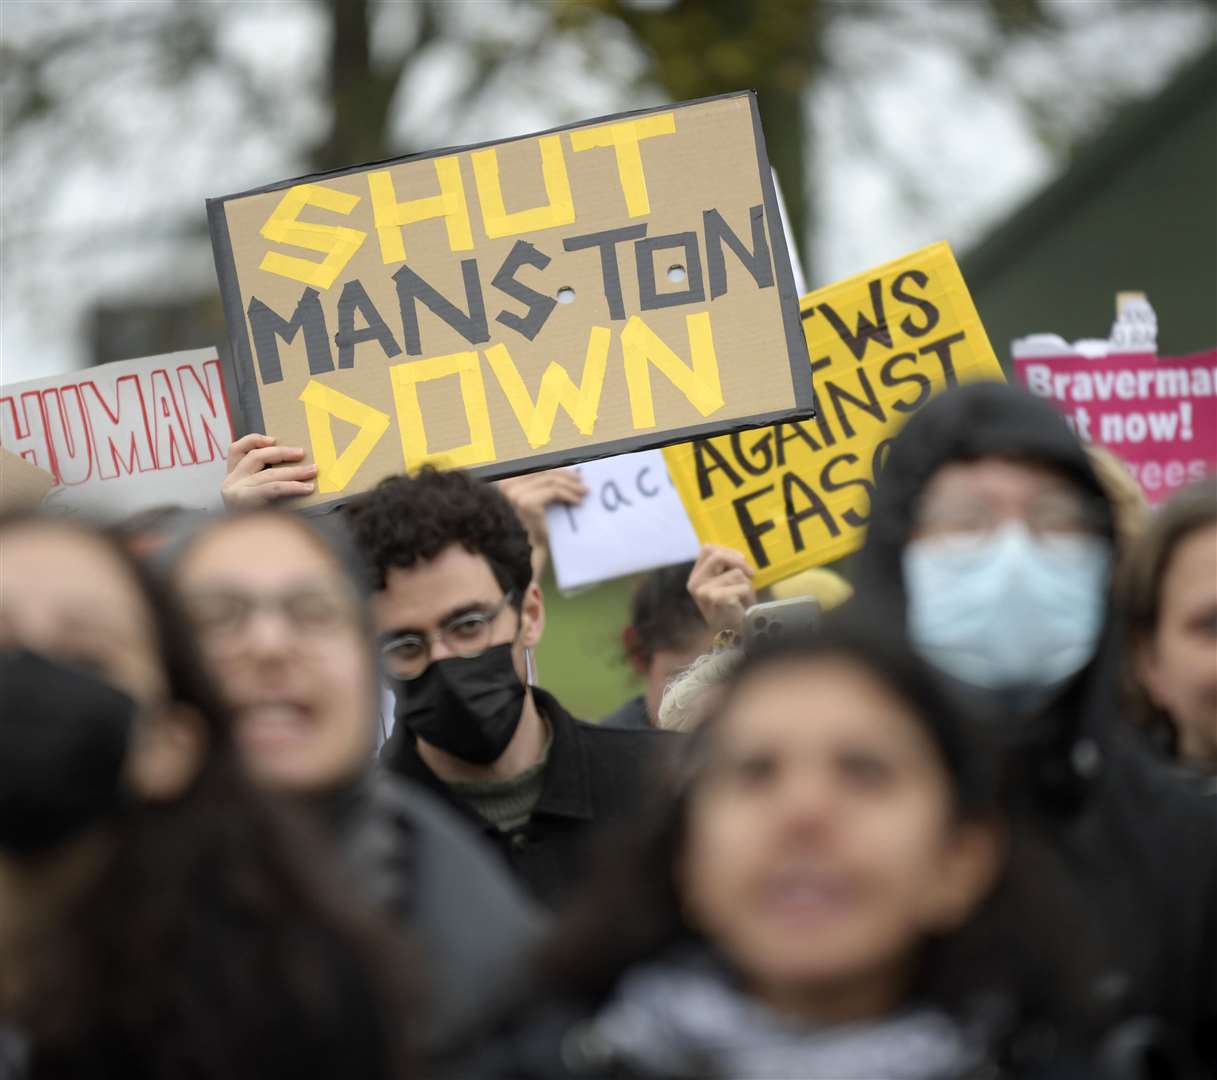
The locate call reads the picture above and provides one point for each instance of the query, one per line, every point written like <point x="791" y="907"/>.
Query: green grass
<point x="580" y="658"/>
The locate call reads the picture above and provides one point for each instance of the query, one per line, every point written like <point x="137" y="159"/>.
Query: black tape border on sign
<point x="241" y="381"/>
<point x="236" y="363"/>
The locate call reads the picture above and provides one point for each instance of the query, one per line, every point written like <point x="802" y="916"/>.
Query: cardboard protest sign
<point x="880" y="345"/>
<point x="124" y="436"/>
<point x="21" y="484"/>
<point x="601" y="288"/>
<point x="1158" y="414"/>
<point x="632" y="520"/>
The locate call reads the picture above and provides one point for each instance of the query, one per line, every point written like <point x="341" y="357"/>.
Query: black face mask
<point x="467" y="707"/>
<point x="63" y="740"/>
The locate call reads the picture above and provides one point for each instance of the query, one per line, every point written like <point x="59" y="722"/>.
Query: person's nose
<point x="438" y="649"/>
<point x="807" y="800"/>
<point x="268" y="632"/>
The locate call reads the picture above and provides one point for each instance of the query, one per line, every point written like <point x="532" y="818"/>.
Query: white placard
<point x="632" y="520"/>
<point x="124" y="436"/>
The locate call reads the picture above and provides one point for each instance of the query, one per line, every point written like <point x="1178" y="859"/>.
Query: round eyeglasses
<point x="469" y="634"/>
<point x="222" y="616"/>
<point x="1049" y="516"/>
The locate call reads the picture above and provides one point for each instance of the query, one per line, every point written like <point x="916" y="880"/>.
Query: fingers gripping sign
<point x="721" y="586"/>
<point x="531" y="494"/>
<point x="260" y="471"/>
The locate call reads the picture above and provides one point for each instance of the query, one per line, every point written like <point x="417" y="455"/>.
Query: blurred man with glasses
<point x="459" y="617"/>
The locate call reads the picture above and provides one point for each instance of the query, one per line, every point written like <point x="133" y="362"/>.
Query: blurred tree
<point x="61" y="76"/>
<point x="782" y="48"/>
<point x="189" y="93"/>
<point x="700" y="48"/>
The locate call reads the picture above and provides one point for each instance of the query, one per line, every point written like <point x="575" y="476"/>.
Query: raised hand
<point x="260" y="471"/>
<point x="721" y="586"/>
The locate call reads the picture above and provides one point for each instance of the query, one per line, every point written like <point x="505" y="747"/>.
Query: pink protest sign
<point x="1157" y="413"/>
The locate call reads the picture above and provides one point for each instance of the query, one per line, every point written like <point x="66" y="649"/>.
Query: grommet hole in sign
<point x="676" y="274"/>
<point x="566" y="295"/>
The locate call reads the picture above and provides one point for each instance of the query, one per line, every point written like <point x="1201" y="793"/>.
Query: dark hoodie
<point x="1141" y="850"/>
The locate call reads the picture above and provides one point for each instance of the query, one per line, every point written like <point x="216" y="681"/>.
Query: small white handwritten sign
<point x="632" y="520"/>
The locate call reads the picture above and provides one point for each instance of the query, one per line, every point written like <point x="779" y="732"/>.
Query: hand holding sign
<point x="260" y="472"/>
<point x="721" y="586"/>
<point x="531" y="494"/>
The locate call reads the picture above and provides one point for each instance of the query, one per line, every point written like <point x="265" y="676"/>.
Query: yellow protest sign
<point x="880" y="345"/>
<point x="604" y="287"/>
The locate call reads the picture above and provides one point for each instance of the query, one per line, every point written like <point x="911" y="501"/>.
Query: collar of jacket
<point x="632" y="716"/>
<point x="567" y="788"/>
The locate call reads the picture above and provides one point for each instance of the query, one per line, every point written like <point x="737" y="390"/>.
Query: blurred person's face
<point x="1006" y="574"/>
<point x="967" y="498"/>
<point x="279" y="624"/>
<point x="1178" y="664"/>
<point x="822" y="848"/>
<point x="64" y="594"/>
<point x="66" y="597"/>
<point x="666" y="664"/>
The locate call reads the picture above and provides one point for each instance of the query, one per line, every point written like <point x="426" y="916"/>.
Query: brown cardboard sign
<point x="615" y="285"/>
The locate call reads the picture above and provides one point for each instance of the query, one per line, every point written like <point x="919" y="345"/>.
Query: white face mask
<point x="1007" y="611"/>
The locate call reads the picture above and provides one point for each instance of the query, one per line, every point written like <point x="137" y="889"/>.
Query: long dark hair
<point x="213" y="942"/>
<point x="1026" y="948"/>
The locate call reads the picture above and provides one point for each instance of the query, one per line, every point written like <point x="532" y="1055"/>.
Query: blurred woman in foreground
<point x="831" y="891"/>
<point x="281" y="610"/>
<point x="157" y="919"/>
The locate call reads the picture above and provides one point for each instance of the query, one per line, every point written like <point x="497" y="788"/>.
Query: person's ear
<point x="633" y="653"/>
<point x="167" y="753"/>
<point x="532" y="617"/>
<point x="970" y="863"/>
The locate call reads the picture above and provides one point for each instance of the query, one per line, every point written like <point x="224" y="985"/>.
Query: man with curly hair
<point x="459" y="616"/>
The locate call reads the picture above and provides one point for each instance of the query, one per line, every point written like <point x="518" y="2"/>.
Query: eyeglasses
<point x="221" y="617"/>
<point x="1047" y="517"/>
<point x="407" y="656"/>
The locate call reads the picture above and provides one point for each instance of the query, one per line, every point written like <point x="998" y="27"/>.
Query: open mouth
<point x="274" y="724"/>
<point x="806" y="897"/>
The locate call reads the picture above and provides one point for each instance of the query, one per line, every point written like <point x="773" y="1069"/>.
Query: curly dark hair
<point x="406" y="520"/>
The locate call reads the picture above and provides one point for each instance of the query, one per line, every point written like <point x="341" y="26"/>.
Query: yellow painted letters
<point x="390" y="215"/>
<point x="582" y="402"/>
<point x="405" y="379"/>
<point x="337" y="242"/>
<point x="698" y="381"/>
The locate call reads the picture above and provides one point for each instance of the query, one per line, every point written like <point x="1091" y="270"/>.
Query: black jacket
<point x="632" y="716"/>
<point x="419" y="863"/>
<point x="1140" y="847"/>
<point x="593" y="777"/>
